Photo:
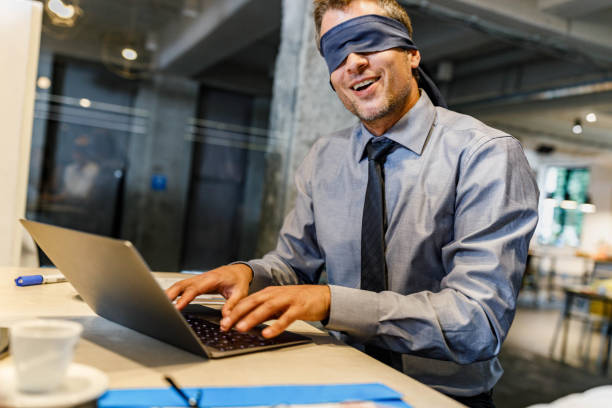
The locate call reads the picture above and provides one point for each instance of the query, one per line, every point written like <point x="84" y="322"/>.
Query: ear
<point x="415" y="58"/>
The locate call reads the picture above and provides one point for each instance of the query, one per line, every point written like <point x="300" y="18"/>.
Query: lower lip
<point x="366" y="92"/>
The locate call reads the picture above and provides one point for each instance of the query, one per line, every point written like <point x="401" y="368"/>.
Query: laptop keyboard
<point x="210" y="334"/>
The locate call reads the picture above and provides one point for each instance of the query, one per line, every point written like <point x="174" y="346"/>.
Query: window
<point x="563" y="208"/>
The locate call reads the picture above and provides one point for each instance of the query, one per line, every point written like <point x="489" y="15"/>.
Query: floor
<point x="531" y="376"/>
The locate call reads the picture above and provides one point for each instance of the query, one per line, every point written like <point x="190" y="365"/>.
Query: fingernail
<point x="225" y="321"/>
<point x="241" y="326"/>
<point x="266" y="332"/>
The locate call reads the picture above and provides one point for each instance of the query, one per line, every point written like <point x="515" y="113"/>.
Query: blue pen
<point x="29" y="280"/>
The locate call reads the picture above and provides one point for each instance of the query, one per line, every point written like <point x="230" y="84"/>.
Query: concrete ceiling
<point x="531" y="66"/>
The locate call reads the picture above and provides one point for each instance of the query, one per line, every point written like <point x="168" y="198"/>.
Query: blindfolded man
<point x="420" y="216"/>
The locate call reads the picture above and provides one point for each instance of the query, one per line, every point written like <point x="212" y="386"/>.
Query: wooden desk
<point x="134" y="360"/>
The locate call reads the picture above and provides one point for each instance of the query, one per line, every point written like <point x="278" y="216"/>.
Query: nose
<point x="356" y="63"/>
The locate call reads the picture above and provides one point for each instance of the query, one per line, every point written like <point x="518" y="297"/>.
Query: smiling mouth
<point x="364" y="84"/>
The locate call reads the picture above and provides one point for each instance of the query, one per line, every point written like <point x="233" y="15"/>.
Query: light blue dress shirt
<point x="461" y="205"/>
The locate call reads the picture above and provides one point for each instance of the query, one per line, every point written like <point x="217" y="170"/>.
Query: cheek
<point x="343" y="97"/>
<point x="402" y="74"/>
<point x="335" y="78"/>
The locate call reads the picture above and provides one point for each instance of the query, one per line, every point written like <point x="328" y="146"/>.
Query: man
<point x="425" y="279"/>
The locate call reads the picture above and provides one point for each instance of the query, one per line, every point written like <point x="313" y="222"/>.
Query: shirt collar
<point x="410" y="131"/>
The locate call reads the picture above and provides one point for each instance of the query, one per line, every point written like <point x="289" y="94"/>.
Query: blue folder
<point x="254" y="396"/>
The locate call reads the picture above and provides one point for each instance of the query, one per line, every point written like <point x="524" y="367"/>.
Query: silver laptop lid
<point x="114" y="280"/>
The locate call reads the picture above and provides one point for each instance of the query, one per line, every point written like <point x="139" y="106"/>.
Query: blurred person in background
<point x="80" y="175"/>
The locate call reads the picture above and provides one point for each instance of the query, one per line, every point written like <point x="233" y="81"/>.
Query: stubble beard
<point x="391" y="104"/>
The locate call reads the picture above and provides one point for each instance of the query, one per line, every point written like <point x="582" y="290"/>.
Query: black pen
<point x="193" y="402"/>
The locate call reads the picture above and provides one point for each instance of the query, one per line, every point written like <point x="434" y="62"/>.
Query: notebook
<point x="111" y="276"/>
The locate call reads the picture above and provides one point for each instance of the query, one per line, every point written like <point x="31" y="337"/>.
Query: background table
<point x="134" y="360"/>
<point x="569" y="312"/>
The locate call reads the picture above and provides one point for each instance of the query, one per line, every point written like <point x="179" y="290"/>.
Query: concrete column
<point x="304" y="107"/>
<point x="154" y="211"/>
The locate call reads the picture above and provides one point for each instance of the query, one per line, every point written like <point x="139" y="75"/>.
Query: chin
<point x="369" y="115"/>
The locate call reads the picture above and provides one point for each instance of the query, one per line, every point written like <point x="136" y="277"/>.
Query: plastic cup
<point x="42" y="350"/>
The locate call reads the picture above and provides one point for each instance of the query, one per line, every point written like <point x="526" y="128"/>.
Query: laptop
<point x="114" y="280"/>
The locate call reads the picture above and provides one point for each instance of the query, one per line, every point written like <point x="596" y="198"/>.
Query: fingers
<point x="186" y="297"/>
<point x="176" y="289"/>
<point x="271" y="303"/>
<point x="231" y="302"/>
<point x="231" y="281"/>
<point x="189" y="288"/>
<point x="241" y="311"/>
<point x="285" y="303"/>
<point x="280" y="325"/>
<point x="259" y="314"/>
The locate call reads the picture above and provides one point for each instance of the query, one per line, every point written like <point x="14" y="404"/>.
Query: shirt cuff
<point x="353" y="311"/>
<point x="261" y="278"/>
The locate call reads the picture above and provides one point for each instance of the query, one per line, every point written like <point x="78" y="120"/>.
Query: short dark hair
<point x="392" y="9"/>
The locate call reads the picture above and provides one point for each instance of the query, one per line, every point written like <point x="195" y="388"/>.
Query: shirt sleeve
<point x="469" y="317"/>
<point x="297" y="258"/>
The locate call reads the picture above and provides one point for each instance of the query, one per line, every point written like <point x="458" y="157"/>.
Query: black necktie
<point x="373" y="227"/>
<point x="373" y="224"/>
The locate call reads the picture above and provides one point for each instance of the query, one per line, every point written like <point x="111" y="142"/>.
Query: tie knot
<point x="379" y="148"/>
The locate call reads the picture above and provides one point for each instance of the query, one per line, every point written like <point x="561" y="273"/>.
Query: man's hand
<point x="284" y="303"/>
<point x="231" y="281"/>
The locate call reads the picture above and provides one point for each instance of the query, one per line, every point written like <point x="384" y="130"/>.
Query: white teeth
<point x="362" y="84"/>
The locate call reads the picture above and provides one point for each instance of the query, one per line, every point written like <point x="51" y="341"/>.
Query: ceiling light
<point x="60" y="9"/>
<point x="591" y="117"/>
<point x="569" y="204"/>
<point x="43" y="82"/>
<point x="577" y="128"/>
<point x="191" y="8"/>
<point x="84" y="102"/>
<point x="129" y="54"/>
<point x="550" y="202"/>
<point x="587" y="208"/>
<point x="62" y="13"/>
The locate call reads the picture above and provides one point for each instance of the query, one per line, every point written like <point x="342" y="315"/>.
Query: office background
<point x="196" y="139"/>
<point x="178" y="124"/>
